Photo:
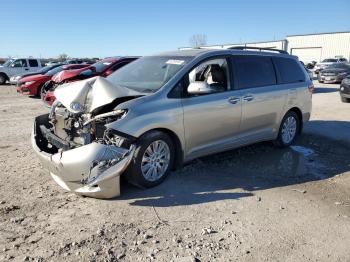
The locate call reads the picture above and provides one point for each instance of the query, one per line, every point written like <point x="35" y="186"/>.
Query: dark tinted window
<point x="20" y="63"/>
<point x="119" y="65"/>
<point x="33" y="63"/>
<point x="254" y="71"/>
<point x="290" y="70"/>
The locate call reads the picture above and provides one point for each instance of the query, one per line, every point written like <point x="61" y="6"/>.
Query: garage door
<point x="308" y="54"/>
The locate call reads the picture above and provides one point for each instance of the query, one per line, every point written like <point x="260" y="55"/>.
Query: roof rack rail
<point x="258" y="48"/>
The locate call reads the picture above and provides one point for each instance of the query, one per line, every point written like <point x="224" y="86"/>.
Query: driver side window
<point x="211" y="76"/>
<point x="20" y="63"/>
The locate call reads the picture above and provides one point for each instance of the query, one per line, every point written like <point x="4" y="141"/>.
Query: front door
<point x="19" y="66"/>
<point x="211" y="120"/>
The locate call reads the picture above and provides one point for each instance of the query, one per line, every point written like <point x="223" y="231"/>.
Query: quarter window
<point x="254" y="71"/>
<point x="33" y="63"/>
<point x="289" y="69"/>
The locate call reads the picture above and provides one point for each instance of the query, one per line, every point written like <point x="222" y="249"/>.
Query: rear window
<point x="289" y="69"/>
<point x="254" y="71"/>
<point x="33" y="63"/>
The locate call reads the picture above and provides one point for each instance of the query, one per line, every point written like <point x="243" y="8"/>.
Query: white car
<point x="18" y="66"/>
<point x="327" y="62"/>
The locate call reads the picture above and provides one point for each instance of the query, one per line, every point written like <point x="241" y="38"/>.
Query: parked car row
<point x="43" y="82"/>
<point x="143" y="117"/>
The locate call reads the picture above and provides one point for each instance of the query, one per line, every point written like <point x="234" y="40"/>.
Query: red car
<point x="32" y="85"/>
<point x="103" y="68"/>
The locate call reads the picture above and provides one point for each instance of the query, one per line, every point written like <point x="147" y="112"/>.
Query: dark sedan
<point x="334" y="73"/>
<point x="344" y="90"/>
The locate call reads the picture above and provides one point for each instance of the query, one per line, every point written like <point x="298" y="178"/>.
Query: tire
<point x="135" y="174"/>
<point x="3" y="79"/>
<point x="282" y="140"/>
<point x="345" y="99"/>
<point x="45" y="87"/>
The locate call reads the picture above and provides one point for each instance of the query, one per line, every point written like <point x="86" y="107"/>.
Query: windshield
<point x="54" y="71"/>
<point x="329" y="60"/>
<point x="102" y="65"/>
<point x="46" y="69"/>
<point x="148" y="74"/>
<point x="8" y="62"/>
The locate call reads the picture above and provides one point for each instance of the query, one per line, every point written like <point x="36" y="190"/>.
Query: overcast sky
<point x="108" y="28"/>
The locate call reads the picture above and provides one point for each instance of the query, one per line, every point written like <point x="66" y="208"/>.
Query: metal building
<point x="308" y="47"/>
<point x="316" y="47"/>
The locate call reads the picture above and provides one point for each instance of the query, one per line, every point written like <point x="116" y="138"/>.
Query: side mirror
<point x="108" y="72"/>
<point x="13" y="65"/>
<point x="199" y="88"/>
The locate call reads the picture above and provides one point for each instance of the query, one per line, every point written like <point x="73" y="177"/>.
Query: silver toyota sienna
<point x="161" y="111"/>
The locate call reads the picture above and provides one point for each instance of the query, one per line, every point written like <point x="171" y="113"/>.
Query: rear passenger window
<point x="289" y="69"/>
<point x="33" y="63"/>
<point x="254" y="71"/>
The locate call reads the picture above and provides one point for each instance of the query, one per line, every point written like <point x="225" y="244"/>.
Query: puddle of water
<point x="303" y="150"/>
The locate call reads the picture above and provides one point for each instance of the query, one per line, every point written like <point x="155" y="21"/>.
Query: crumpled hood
<point x="91" y="93"/>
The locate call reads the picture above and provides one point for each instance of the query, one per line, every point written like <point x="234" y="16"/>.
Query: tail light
<point x="311" y="88"/>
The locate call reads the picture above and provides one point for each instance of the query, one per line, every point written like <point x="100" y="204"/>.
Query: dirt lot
<point x="257" y="203"/>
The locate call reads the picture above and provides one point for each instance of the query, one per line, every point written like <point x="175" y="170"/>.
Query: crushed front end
<point x="80" y="153"/>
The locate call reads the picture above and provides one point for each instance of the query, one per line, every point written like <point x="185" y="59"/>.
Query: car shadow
<point x="336" y="130"/>
<point x="321" y="90"/>
<point x="238" y="173"/>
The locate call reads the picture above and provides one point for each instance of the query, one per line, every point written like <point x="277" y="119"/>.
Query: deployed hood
<point x="87" y="95"/>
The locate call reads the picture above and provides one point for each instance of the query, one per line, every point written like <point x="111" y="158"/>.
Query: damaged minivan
<point x="161" y="111"/>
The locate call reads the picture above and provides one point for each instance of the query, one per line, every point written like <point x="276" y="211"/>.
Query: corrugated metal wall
<point x="320" y="46"/>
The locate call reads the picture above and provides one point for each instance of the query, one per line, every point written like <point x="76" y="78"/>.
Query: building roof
<point x="325" y="33"/>
<point x="241" y="44"/>
<point x="200" y="51"/>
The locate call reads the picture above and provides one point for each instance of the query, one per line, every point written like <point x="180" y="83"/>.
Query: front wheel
<point x="345" y="99"/>
<point x="289" y="129"/>
<point x="152" y="160"/>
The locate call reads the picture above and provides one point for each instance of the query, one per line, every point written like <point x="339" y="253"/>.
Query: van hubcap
<point x="155" y="160"/>
<point x="289" y="129"/>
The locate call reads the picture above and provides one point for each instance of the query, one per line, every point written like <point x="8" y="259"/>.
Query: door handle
<point x="248" y="98"/>
<point x="26" y="69"/>
<point x="233" y="100"/>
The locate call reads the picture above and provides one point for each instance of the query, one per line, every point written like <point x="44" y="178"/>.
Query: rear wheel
<point x="152" y="160"/>
<point x="289" y="129"/>
<point x="3" y="79"/>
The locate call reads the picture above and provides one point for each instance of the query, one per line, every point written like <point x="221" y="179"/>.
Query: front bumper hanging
<point x="92" y="170"/>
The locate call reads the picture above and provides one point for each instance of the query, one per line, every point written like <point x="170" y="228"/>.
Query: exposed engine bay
<point x="74" y="143"/>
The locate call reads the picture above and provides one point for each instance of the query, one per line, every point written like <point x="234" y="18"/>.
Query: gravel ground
<point x="257" y="203"/>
